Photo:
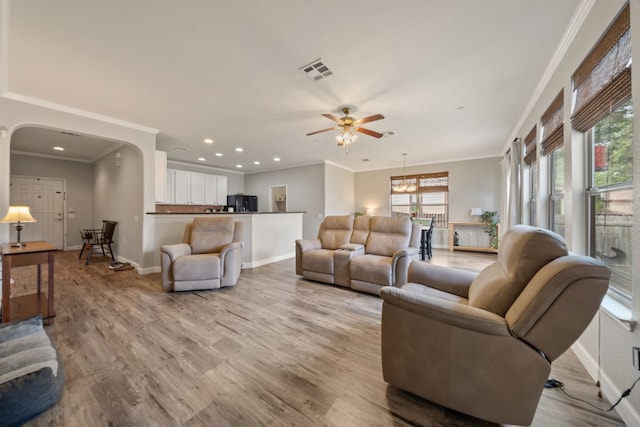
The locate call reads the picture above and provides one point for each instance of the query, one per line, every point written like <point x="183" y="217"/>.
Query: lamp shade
<point x="18" y="214"/>
<point x="476" y="211"/>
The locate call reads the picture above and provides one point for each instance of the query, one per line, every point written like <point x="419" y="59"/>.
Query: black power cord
<point x="553" y="383"/>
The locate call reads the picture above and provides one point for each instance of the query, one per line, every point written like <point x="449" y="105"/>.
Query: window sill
<point x="618" y="312"/>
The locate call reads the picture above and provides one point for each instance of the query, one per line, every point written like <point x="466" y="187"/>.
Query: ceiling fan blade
<point x="320" y="131"/>
<point x="332" y="117"/>
<point x="369" y="119"/>
<point x="370" y="132"/>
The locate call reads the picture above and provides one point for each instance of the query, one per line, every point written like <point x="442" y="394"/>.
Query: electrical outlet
<point x="636" y="357"/>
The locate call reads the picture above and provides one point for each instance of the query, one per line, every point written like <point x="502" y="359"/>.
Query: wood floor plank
<point x="274" y="350"/>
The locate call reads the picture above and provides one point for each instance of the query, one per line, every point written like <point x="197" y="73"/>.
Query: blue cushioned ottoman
<point x="31" y="374"/>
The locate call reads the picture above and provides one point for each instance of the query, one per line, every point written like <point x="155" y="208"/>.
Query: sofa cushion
<point x="211" y="234"/>
<point x="335" y="231"/>
<point x="523" y="251"/>
<point x="31" y="374"/>
<point x="318" y="260"/>
<point x="372" y="268"/>
<point x="361" y="230"/>
<point x="388" y="234"/>
<point x="197" y="267"/>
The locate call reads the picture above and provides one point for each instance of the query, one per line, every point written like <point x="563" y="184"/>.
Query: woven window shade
<point x="552" y="124"/>
<point x="530" y="147"/>
<point x="603" y="81"/>
<point x="425" y="183"/>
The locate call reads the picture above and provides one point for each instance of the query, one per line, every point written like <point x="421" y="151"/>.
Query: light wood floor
<point x="273" y="350"/>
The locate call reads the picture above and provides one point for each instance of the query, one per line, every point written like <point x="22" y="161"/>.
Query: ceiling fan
<point x="348" y="125"/>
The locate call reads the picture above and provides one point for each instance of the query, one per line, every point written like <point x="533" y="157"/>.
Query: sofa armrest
<point x="303" y="245"/>
<point x="400" y="262"/>
<point x="447" y="312"/>
<point x="230" y="263"/>
<point x="176" y="250"/>
<point x="306" y="244"/>
<point x="168" y="254"/>
<point x="450" y="280"/>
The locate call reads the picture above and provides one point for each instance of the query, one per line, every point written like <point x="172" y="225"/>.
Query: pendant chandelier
<point x="404" y="187"/>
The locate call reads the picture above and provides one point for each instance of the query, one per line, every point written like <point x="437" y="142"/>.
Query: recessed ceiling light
<point x="218" y="154"/>
<point x="238" y="166"/>
<point x="208" y="140"/>
<point x="58" y="148"/>
<point x="256" y="162"/>
<point x="202" y="159"/>
<point x="239" y="150"/>
<point x="276" y="159"/>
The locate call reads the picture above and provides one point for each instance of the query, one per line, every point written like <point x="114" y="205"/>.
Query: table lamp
<point x="476" y="213"/>
<point x="17" y="215"/>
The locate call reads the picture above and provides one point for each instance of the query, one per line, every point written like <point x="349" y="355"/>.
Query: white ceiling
<point x="451" y="77"/>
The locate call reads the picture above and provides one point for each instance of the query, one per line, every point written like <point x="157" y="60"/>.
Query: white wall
<point x="118" y="197"/>
<point x="306" y="192"/>
<point x="605" y="347"/>
<point x="339" y="190"/>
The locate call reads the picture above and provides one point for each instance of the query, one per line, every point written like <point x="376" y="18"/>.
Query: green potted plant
<point x="491" y="219"/>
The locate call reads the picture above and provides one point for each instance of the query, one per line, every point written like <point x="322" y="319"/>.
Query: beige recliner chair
<point x="482" y="344"/>
<point x="210" y="256"/>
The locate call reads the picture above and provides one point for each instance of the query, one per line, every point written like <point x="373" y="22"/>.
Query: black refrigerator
<point x="242" y="203"/>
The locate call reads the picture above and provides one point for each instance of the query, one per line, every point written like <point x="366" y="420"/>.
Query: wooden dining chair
<point x="98" y="237"/>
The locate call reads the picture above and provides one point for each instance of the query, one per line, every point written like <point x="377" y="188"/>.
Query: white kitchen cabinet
<point x="182" y="190"/>
<point x="211" y="189"/>
<point x="184" y="187"/>
<point x="221" y="190"/>
<point x="196" y="188"/>
<point x="161" y="176"/>
<point x="171" y="186"/>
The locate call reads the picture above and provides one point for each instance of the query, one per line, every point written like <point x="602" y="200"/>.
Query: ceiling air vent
<point x="182" y="149"/>
<point x="317" y="70"/>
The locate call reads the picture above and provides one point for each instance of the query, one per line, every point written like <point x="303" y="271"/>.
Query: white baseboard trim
<point x="628" y="413"/>
<point x="266" y="261"/>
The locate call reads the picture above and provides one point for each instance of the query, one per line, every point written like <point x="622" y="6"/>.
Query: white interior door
<point x="45" y="198"/>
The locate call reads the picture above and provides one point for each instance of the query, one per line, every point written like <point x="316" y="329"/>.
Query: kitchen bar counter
<point x="267" y="236"/>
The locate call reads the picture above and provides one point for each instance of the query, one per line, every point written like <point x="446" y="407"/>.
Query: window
<point x="429" y="200"/>
<point x="552" y="141"/>
<point x="611" y="198"/>
<point x="533" y="193"/>
<point x="603" y="109"/>
<point x="556" y="196"/>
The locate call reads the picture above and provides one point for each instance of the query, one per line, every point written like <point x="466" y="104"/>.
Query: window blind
<point x="603" y="81"/>
<point x="552" y="124"/>
<point x="530" y="147"/>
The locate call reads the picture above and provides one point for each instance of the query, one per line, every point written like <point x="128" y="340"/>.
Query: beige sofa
<point x="482" y="344"/>
<point x="363" y="253"/>
<point x="210" y="256"/>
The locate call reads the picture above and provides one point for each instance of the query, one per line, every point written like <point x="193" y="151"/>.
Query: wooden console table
<point x="452" y="229"/>
<point x="20" y="307"/>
